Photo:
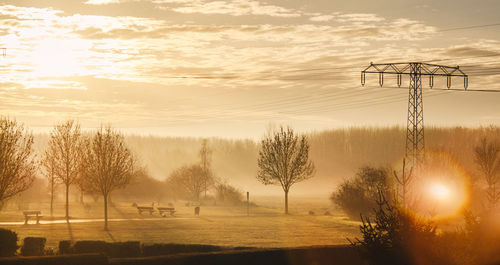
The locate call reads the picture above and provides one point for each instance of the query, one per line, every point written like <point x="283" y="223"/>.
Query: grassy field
<point x="266" y="226"/>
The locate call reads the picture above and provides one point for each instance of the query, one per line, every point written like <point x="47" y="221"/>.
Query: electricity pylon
<point x="415" y="144"/>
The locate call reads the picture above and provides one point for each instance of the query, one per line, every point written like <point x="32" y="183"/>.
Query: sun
<point x="56" y="57"/>
<point x="440" y="191"/>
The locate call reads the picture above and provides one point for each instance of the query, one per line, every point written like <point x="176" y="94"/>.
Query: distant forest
<point x="337" y="154"/>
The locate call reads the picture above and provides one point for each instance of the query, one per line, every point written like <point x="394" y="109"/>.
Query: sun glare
<point x="440" y="192"/>
<point x="53" y="57"/>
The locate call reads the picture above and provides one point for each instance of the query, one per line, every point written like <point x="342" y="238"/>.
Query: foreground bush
<point x="397" y="236"/>
<point x="359" y="195"/>
<point x="65" y="247"/>
<point x="114" y="249"/>
<point x="33" y="246"/>
<point x="89" y="246"/>
<point x="8" y="243"/>
<point x="82" y="259"/>
<point x="124" y="249"/>
<point x="166" y="249"/>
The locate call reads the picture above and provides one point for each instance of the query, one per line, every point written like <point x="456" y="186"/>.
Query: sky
<point x="232" y="68"/>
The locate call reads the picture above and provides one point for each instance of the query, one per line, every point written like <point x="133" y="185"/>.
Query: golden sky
<point x="228" y="68"/>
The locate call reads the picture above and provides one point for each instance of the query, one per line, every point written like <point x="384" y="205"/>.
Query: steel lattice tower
<point x="415" y="141"/>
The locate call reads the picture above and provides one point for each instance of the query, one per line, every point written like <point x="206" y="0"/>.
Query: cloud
<point x="321" y="18"/>
<point x="152" y="66"/>
<point x="471" y="51"/>
<point x="101" y="2"/>
<point x="359" y="17"/>
<point x="235" y="8"/>
<point x="32" y="13"/>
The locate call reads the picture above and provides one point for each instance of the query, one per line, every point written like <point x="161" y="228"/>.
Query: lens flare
<point x="439" y="191"/>
<point x="439" y="188"/>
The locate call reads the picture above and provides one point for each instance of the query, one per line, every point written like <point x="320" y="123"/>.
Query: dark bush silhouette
<point x="82" y="259"/>
<point x="64" y="247"/>
<point x="319" y="255"/>
<point x="8" y="243"/>
<point x="398" y="237"/>
<point x="124" y="249"/>
<point x="33" y="246"/>
<point x="166" y="249"/>
<point x="81" y="247"/>
<point x="359" y="195"/>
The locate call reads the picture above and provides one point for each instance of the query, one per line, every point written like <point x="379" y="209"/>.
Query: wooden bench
<point x="149" y="209"/>
<point x="36" y="214"/>
<point x="163" y="210"/>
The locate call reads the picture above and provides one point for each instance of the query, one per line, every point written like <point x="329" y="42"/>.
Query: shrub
<point x="397" y="237"/>
<point x="33" y="246"/>
<point x="124" y="249"/>
<point x="166" y="249"/>
<point x="358" y="195"/>
<point x="64" y="247"/>
<point x="8" y="243"/>
<point x="227" y="194"/>
<point x="88" y="246"/>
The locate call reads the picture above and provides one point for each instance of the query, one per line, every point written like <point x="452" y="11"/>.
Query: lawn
<point x="266" y="226"/>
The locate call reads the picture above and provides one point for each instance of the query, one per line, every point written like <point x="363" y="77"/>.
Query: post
<point x="248" y="203"/>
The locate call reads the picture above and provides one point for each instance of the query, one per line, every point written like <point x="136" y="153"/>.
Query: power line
<point x="470" y="27"/>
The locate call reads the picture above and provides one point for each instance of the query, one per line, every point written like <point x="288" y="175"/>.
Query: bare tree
<point x="188" y="180"/>
<point x="49" y="164"/>
<point x="64" y="149"/>
<point x="486" y="156"/>
<point x="284" y="160"/>
<point x="108" y="164"/>
<point x="404" y="181"/>
<point x="205" y="163"/>
<point x="17" y="164"/>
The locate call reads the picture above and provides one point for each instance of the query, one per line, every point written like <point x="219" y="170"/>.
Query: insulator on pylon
<point x="363" y="78"/>
<point x="448" y="81"/>
<point x="399" y="77"/>
<point x="431" y="81"/>
<point x="381" y="79"/>
<point x="466" y="82"/>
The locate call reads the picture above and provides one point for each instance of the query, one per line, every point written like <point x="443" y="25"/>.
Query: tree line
<point x="97" y="162"/>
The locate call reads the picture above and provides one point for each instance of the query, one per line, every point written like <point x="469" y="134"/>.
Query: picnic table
<point x="149" y="209"/>
<point x="29" y="214"/>
<point x="164" y="210"/>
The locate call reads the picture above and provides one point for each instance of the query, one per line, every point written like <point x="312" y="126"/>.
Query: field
<point x="266" y="226"/>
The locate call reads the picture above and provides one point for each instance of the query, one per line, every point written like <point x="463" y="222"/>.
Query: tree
<point x="358" y="195"/>
<point x="143" y="187"/>
<point x="17" y="164"/>
<point x="486" y="156"/>
<point x="188" y="181"/>
<point x="64" y="150"/>
<point x="395" y="235"/>
<point x="404" y="181"/>
<point x="50" y="166"/>
<point x="109" y="164"/>
<point x="205" y="161"/>
<point x="284" y="160"/>
<point x="227" y="194"/>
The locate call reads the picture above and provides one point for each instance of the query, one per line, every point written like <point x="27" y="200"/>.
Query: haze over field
<point x="257" y="131"/>
<point x="228" y="68"/>
<point x="337" y="154"/>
